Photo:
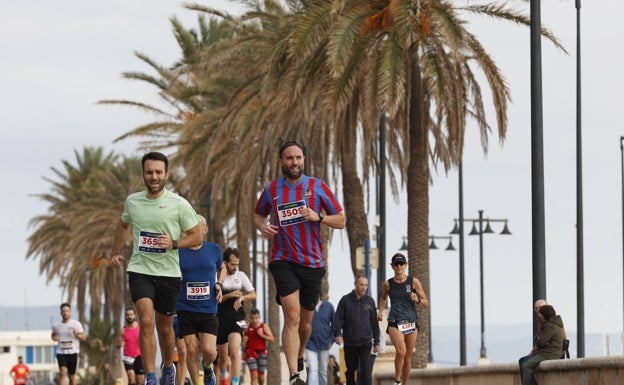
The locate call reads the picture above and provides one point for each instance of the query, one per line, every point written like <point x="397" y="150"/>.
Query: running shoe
<point x="225" y="380"/>
<point x="209" y="376"/>
<point x="168" y="375"/>
<point x="296" y="380"/>
<point x="397" y="382"/>
<point x="151" y="381"/>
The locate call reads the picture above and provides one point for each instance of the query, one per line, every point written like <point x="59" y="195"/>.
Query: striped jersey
<point x="298" y="240"/>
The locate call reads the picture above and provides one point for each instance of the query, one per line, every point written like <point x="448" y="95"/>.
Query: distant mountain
<point x="507" y="343"/>
<point x="30" y="318"/>
<point x="504" y="343"/>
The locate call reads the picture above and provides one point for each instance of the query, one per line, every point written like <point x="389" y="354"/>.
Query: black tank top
<point x="402" y="308"/>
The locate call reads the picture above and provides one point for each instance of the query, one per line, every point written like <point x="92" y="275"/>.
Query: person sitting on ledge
<point x="548" y="344"/>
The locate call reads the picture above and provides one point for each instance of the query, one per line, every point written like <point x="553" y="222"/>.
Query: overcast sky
<point x="60" y="57"/>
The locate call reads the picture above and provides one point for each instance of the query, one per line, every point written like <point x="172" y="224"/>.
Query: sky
<point x="60" y="57"/>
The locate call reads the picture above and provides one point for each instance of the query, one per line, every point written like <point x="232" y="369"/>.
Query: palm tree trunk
<point x="418" y="199"/>
<point x="274" y="364"/>
<point x="357" y="224"/>
<point x="117" y="304"/>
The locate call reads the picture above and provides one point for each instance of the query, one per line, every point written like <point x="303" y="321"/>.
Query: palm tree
<point x="85" y="205"/>
<point x="184" y="97"/>
<point x="420" y="58"/>
<point x="54" y="238"/>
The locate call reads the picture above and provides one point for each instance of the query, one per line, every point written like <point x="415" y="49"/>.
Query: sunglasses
<point x="398" y="264"/>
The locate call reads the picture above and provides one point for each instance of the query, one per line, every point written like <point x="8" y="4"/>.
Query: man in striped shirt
<point x="298" y="205"/>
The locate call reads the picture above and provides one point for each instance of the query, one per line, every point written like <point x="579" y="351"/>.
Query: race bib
<point x="290" y="213"/>
<point x="148" y="242"/>
<point x="128" y="360"/>
<point x="66" y="345"/>
<point x="197" y="291"/>
<point x="242" y="324"/>
<point x="406" y="327"/>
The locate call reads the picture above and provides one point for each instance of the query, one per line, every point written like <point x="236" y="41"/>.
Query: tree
<point x="71" y="240"/>
<point x="421" y="58"/>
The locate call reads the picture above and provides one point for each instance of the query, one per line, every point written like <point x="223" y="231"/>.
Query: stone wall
<point x="584" y="371"/>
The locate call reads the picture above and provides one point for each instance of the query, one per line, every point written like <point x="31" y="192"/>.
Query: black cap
<point x="398" y="257"/>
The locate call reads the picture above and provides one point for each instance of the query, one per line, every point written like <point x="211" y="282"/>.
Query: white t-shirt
<point x="67" y="342"/>
<point x="237" y="281"/>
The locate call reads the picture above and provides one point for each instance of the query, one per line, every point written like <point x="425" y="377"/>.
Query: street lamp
<point x="480" y="231"/>
<point x="622" y="155"/>
<point x="433" y="246"/>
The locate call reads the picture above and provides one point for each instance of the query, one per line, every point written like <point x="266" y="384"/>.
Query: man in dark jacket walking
<point x="356" y="327"/>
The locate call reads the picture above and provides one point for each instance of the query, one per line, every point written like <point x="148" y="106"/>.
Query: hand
<point x="379" y="316"/>
<point x="339" y="340"/>
<point x="165" y="241"/>
<point x="269" y="231"/>
<point x="116" y="260"/>
<point x="238" y="303"/>
<point x="376" y="349"/>
<point x="309" y="215"/>
<point x="219" y="293"/>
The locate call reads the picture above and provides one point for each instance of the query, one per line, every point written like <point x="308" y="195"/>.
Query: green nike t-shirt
<point x="149" y="218"/>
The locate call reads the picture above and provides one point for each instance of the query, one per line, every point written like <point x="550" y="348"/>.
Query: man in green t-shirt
<point x="158" y="218"/>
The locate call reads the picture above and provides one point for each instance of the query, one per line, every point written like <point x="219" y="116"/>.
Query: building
<point x="38" y="350"/>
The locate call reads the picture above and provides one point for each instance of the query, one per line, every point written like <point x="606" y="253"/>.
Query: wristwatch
<point x="175" y="244"/>
<point x="321" y="217"/>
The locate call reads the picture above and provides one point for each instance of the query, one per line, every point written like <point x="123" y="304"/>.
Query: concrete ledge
<point x="584" y="371"/>
<point x="494" y="374"/>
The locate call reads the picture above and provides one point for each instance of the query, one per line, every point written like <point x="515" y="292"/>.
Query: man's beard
<point x="129" y="321"/>
<point x="289" y="174"/>
<point x="155" y="189"/>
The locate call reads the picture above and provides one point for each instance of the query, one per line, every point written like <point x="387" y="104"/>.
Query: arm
<point x="267" y="230"/>
<point x="267" y="334"/>
<point x="337" y="324"/>
<point x="118" y="240"/>
<point x="250" y="296"/>
<point x="79" y="333"/>
<point x="82" y="336"/>
<point x="418" y="293"/>
<point x="221" y="272"/>
<point x="193" y="238"/>
<point x="120" y="342"/>
<point x="335" y="221"/>
<point x="383" y="300"/>
<point x="375" y="325"/>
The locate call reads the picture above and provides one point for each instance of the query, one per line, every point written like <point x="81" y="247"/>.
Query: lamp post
<point x="381" y="205"/>
<point x="480" y="231"/>
<point x="622" y="155"/>
<point x="580" y="254"/>
<point x="459" y="230"/>
<point x="433" y="246"/>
